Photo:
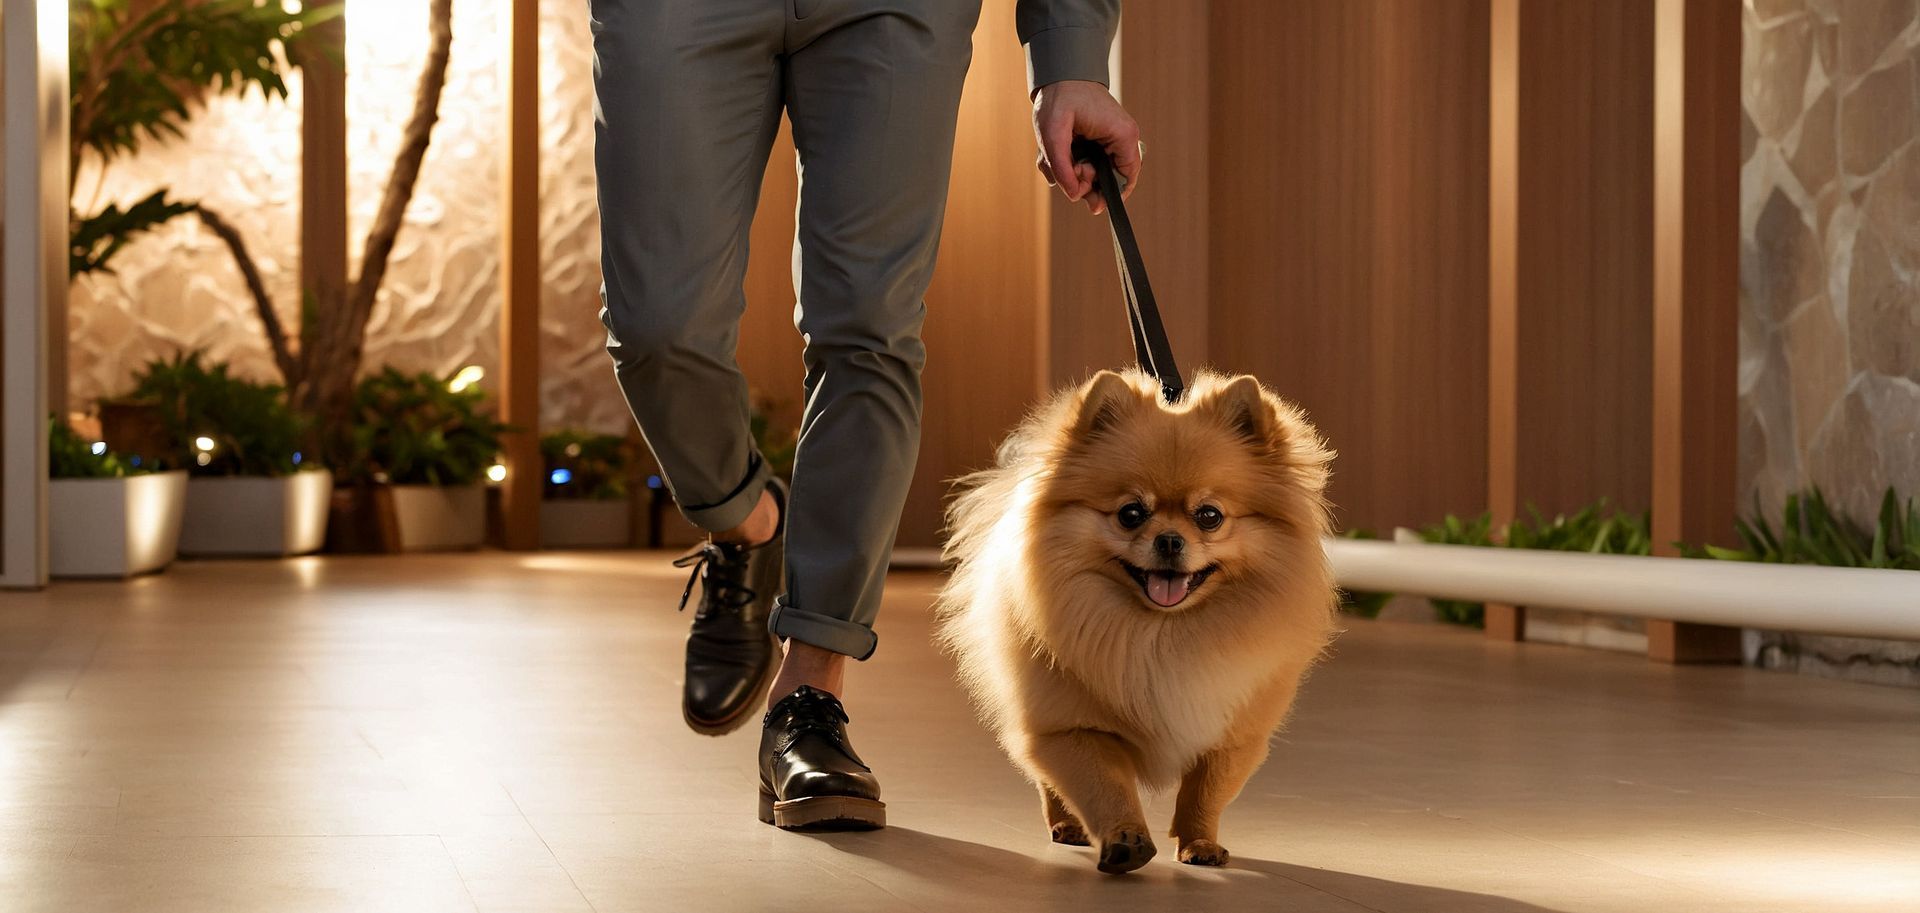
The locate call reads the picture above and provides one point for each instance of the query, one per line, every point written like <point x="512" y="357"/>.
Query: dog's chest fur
<point x="1172" y="695"/>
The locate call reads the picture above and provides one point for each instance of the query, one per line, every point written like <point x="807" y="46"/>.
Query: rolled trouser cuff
<point x="732" y="510"/>
<point x="823" y="631"/>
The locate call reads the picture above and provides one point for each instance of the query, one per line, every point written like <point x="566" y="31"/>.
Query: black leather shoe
<point x="809" y="775"/>
<point x="731" y="656"/>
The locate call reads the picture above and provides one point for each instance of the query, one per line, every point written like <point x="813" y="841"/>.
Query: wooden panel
<point x="769" y="349"/>
<point x="983" y="320"/>
<point x="1164" y="59"/>
<point x="1085" y="315"/>
<point x="1503" y="621"/>
<point x="1429" y="318"/>
<point x="1584" y="244"/>
<point x="520" y="283"/>
<point x="1503" y="270"/>
<point x="1695" y="294"/>
<point x="1348" y="227"/>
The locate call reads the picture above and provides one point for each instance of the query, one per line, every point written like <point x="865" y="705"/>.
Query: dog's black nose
<point x="1169" y="544"/>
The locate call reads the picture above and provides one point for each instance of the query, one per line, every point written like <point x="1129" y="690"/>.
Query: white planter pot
<point x="581" y="523"/>
<point x="257" y="516"/>
<point x="115" y="527"/>
<point x="440" y="517"/>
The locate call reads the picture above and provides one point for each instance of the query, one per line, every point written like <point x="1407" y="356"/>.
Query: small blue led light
<point x="135" y="460"/>
<point x="296" y="458"/>
<point x="653" y="481"/>
<point x="560" y="476"/>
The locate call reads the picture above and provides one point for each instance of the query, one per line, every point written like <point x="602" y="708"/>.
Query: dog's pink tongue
<point x="1166" y="589"/>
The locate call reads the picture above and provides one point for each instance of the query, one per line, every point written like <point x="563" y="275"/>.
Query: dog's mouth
<point x="1168" y="588"/>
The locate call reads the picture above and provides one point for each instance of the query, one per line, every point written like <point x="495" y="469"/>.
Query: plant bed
<point x="439" y="517"/>
<point x="257" y="516"/>
<point x="116" y="527"/>
<point x="105" y="520"/>
<point x="422" y="446"/>
<point x="585" y="502"/>
<point x="250" y="493"/>
<point x="576" y="523"/>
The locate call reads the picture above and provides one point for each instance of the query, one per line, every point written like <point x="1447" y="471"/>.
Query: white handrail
<point x="1830" y="600"/>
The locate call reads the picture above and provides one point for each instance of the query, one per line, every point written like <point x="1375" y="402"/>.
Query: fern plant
<point x="71" y="457"/>
<point x="582" y="465"/>
<point x="1810" y="532"/>
<point x="217" y="424"/>
<point x="1598" y="528"/>
<point x="1460" y="531"/>
<point x="414" y="429"/>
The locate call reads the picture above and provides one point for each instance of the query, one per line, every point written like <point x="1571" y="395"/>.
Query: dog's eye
<point x="1134" y="513"/>
<point x="1209" y="517"/>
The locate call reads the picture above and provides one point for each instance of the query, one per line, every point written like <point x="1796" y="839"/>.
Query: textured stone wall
<point x="439" y="307"/>
<point x="1830" y="268"/>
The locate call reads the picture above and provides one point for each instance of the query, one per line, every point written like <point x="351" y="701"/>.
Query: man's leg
<point x="872" y="90"/>
<point x="687" y="98"/>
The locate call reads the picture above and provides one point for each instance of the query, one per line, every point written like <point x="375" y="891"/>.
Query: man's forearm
<point x="1066" y="39"/>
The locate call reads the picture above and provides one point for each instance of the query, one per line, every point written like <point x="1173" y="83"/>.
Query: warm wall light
<point x="497" y="472"/>
<point x="467" y="377"/>
<point x="203" y="444"/>
<point x="388" y="27"/>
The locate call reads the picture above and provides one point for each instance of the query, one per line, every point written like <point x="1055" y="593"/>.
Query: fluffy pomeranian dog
<point x="1138" y="590"/>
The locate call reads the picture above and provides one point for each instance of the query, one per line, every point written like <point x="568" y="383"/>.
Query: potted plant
<point x="250" y="489"/>
<point x="106" y="516"/>
<point x="585" y="504"/>
<point x="428" y="442"/>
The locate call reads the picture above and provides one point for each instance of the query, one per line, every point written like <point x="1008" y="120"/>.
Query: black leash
<point x="1150" y="346"/>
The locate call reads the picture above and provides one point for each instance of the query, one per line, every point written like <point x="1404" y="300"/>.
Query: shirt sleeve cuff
<point x="1067" y="52"/>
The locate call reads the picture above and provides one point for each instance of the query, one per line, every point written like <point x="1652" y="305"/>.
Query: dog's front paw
<point x="1203" y="852"/>
<point x="1125" y="848"/>
<point x="1071" y="834"/>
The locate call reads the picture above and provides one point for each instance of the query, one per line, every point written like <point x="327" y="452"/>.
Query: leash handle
<point x="1150" y="346"/>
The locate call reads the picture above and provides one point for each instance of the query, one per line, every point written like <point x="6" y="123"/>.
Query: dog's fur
<point x="1093" y="686"/>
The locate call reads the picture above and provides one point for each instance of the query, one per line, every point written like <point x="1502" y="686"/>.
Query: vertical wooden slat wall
<point x="1348" y="224"/>
<point x="1571" y="326"/>
<point x="1585" y="247"/>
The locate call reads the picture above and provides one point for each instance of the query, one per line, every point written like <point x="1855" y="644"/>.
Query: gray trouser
<point x="688" y="98"/>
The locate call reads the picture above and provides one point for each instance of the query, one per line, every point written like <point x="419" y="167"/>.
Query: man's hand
<point x="1070" y="108"/>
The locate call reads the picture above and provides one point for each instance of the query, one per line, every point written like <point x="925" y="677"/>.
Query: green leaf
<point x="253" y="429"/>
<point x="97" y="238"/>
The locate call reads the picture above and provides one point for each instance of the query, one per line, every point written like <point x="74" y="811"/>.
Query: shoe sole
<point x="756" y="697"/>
<point x="824" y="813"/>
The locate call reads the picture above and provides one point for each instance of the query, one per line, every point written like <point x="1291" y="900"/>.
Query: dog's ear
<point x="1103" y="400"/>
<point x="1245" y="408"/>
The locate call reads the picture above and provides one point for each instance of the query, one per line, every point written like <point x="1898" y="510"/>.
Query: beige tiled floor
<point x="494" y="732"/>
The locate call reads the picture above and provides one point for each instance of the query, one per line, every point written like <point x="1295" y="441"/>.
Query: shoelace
<point x="810" y="710"/>
<point x="719" y="567"/>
